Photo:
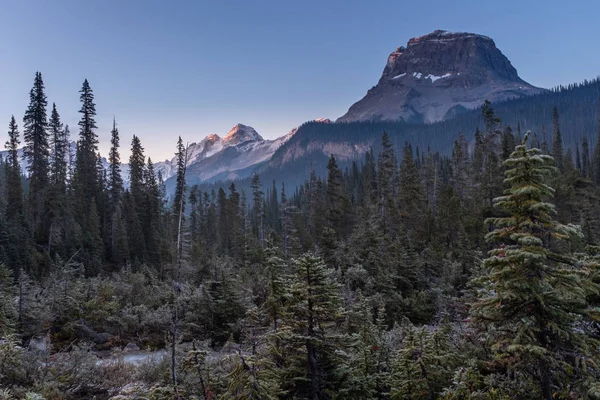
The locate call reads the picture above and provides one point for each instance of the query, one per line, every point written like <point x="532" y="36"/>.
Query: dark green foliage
<point x="349" y="282"/>
<point x="85" y="176"/>
<point x="557" y="141"/>
<point x="115" y="180"/>
<point x="37" y="153"/>
<point x="531" y="296"/>
<point x="306" y="338"/>
<point x="58" y="201"/>
<point x="14" y="190"/>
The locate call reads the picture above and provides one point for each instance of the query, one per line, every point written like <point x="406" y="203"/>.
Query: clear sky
<point x="168" y="68"/>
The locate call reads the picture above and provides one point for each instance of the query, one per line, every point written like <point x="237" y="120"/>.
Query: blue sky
<point x="190" y="68"/>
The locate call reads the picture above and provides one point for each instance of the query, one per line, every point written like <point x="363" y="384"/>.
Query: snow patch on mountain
<point x="435" y="78"/>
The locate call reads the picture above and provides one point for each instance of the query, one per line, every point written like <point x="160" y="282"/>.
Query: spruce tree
<point x="137" y="164"/>
<point x="585" y="157"/>
<point x="411" y="200"/>
<point x="531" y="297"/>
<point x="116" y="228"/>
<point x="387" y="184"/>
<point x="257" y="209"/>
<point x="85" y="179"/>
<point x="306" y="337"/>
<point x="37" y="153"/>
<point x="180" y="184"/>
<point x="596" y="156"/>
<point x="60" y="149"/>
<point x="557" y="141"/>
<point x="115" y="180"/>
<point x="8" y="313"/>
<point x="336" y="199"/>
<point x="152" y="220"/>
<point x="14" y="191"/>
<point x="366" y="370"/>
<point x="57" y="196"/>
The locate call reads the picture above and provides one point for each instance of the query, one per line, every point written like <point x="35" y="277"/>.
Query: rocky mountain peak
<point x="241" y="134"/>
<point x="213" y="137"/>
<point x="442" y="52"/>
<point x="437" y="75"/>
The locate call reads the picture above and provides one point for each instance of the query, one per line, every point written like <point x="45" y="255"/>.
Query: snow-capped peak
<point x="213" y="137"/>
<point x="241" y="134"/>
<point x="323" y="120"/>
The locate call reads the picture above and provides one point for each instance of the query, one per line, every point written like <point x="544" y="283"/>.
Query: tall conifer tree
<point x="557" y="141"/>
<point x="115" y="179"/>
<point x="85" y="178"/>
<point x="57" y="196"/>
<point x="531" y="297"/>
<point x="37" y="153"/>
<point x="14" y="191"/>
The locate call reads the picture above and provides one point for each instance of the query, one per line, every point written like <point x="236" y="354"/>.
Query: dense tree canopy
<point x="369" y="279"/>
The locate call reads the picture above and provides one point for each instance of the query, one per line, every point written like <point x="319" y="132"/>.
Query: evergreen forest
<point x="470" y="271"/>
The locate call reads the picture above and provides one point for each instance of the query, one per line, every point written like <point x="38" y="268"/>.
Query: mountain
<point x="24" y="164"/>
<point x="437" y="76"/>
<point x="231" y="157"/>
<point x="309" y="148"/>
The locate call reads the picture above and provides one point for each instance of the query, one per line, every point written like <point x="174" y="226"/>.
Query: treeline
<point x="578" y="105"/>
<point x="372" y="283"/>
<point x="69" y="207"/>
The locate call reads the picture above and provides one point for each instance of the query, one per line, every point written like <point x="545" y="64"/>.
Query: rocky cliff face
<point x="436" y="76"/>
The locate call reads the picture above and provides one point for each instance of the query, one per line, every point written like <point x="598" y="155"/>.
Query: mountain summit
<point x="241" y="134"/>
<point x="437" y="76"/>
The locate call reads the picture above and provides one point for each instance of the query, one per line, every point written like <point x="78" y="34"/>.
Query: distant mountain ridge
<point x="225" y="158"/>
<point x="467" y="64"/>
<point x="437" y="76"/>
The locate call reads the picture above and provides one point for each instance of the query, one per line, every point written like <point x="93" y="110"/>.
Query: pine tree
<point x="135" y="202"/>
<point x="275" y="301"/>
<point x="337" y="204"/>
<point x="411" y="200"/>
<point x="424" y="364"/>
<point x="557" y="141"/>
<point x="119" y="241"/>
<point x="117" y="233"/>
<point x="460" y="168"/>
<point x="180" y="185"/>
<point x="92" y="241"/>
<point x="223" y="226"/>
<point x="115" y="180"/>
<point x="152" y="221"/>
<point x="14" y="196"/>
<point x="257" y="209"/>
<point x="507" y="142"/>
<point x="585" y="157"/>
<point x="306" y="338"/>
<point x="37" y="153"/>
<point x="531" y="296"/>
<point x="60" y="147"/>
<point x="596" y="156"/>
<point x="366" y="370"/>
<point x="489" y="117"/>
<point x="137" y="164"/>
<point x="8" y="313"/>
<point x="57" y="196"/>
<point x="252" y="378"/>
<point x="386" y="183"/>
<point x="85" y="179"/>
<point x="286" y="221"/>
